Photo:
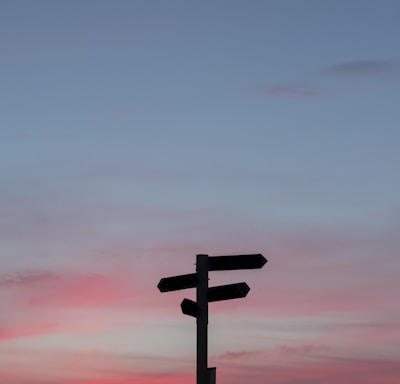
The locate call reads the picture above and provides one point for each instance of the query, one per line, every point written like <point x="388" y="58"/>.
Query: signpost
<point x="204" y="295"/>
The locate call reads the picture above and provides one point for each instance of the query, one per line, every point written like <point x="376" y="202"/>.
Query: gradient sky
<point x="137" y="134"/>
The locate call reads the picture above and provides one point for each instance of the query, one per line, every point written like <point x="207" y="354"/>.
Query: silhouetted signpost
<point x="204" y="295"/>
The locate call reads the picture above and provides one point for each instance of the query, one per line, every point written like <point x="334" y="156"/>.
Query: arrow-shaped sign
<point x="225" y="263"/>
<point x="227" y="292"/>
<point x="189" y="307"/>
<point x="174" y="283"/>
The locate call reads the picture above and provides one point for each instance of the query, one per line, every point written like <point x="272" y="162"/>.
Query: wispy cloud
<point x="290" y="92"/>
<point x="242" y="355"/>
<point x="25" y="278"/>
<point x="363" y="68"/>
<point x="282" y="351"/>
<point x="318" y="83"/>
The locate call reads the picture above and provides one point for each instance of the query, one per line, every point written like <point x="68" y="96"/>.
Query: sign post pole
<point x="202" y="318"/>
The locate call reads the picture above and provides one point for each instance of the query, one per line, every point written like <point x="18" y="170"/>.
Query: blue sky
<point x="136" y="134"/>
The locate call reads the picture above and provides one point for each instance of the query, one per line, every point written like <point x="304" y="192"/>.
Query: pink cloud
<point x="79" y="291"/>
<point x="87" y="367"/>
<point x="319" y="371"/>
<point x="167" y="379"/>
<point x="307" y="363"/>
<point x="240" y="355"/>
<point x="382" y="333"/>
<point x="287" y="364"/>
<point x="16" y="331"/>
<point x="303" y="350"/>
<point x="36" y="303"/>
<point x="47" y="289"/>
<point x="285" y="352"/>
<point x="23" y="323"/>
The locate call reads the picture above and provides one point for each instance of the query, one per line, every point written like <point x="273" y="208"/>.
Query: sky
<point x="137" y="134"/>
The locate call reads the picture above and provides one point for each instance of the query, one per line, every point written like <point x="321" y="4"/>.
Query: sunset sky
<point x="137" y="134"/>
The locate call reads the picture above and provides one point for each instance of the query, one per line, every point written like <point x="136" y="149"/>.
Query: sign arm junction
<point x="205" y="294"/>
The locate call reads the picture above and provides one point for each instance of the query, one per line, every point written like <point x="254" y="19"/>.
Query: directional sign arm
<point x="175" y="283"/>
<point x="189" y="307"/>
<point x="225" y="263"/>
<point x="228" y="292"/>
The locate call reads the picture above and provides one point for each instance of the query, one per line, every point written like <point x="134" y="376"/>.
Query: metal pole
<point x="202" y="318"/>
